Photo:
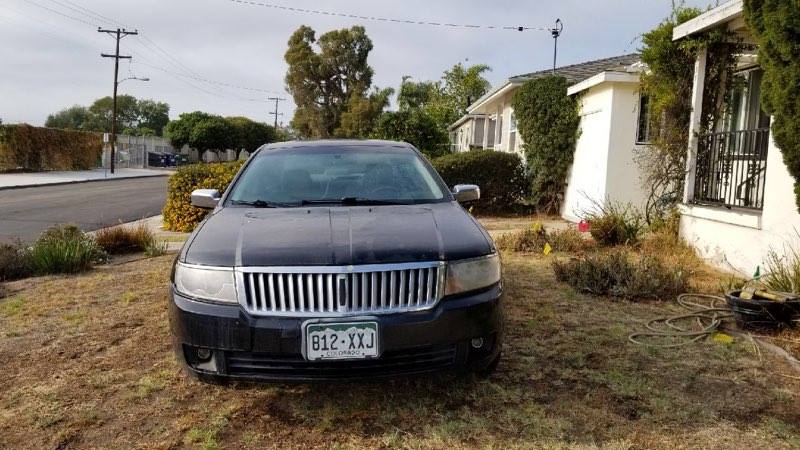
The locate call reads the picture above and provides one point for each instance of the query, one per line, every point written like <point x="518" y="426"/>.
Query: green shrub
<point x="775" y="25"/>
<point x="33" y="148"/>
<point x="14" y="262"/>
<point x="179" y="214"/>
<point x="615" y="224"/>
<point x="124" y="239"/>
<point x="64" y="249"/>
<point x="619" y="273"/>
<point x="500" y="175"/>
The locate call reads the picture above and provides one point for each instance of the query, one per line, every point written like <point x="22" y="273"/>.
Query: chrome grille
<point x="340" y="291"/>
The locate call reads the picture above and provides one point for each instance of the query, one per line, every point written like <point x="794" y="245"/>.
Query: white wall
<point x="740" y="240"/>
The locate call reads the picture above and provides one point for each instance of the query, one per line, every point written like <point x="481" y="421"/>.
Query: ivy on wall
<point x="776" y="26"/>
<point x="548" y="121"/>
<point x="24" y="147"/>
<point x="668" y="84"/>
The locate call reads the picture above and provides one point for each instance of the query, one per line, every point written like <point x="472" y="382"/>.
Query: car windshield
<point x="326" y="175"/>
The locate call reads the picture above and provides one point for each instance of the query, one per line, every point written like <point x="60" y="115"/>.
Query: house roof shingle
<point x="576" y="73"/>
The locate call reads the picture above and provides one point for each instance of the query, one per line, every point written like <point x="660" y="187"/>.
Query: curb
<point x="63" y="183"/>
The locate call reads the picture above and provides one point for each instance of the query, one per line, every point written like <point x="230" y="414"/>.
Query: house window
<point x="644" y="132"/>
<point x="512" y="133"/>
<point x="744" y="107"/>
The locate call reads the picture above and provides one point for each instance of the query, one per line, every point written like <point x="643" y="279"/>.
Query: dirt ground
<point x="87" y="363"/>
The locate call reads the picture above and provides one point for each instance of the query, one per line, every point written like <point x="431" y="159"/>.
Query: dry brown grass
<point x="88" y="364"/>
<point x="125" y="238"/>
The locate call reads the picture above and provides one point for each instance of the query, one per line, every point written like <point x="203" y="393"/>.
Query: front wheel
<point x="487" y="370"/>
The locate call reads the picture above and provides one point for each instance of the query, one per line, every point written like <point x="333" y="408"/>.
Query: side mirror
<point x="465" y="193"/>
<point x="205" y="198"/>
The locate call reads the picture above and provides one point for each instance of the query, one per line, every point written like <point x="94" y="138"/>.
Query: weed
<point x="615" y="223"/>
<point x="527" y="240"/>
<point x="14" y="262"/>
<point x="125" y="239"/>
<point x="11" y="306"/>
<point x="64" y="249"/>
<point x="156" y="248"/>
<point x="567" y="240"/>
<point x="783" y="270"/>
<point x="621" y="274"/>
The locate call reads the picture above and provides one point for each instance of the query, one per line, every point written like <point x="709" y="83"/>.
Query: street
<point x="26" y="212"/>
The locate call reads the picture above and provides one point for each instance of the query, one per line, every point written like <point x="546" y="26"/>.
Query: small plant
<point x="783" y="271"/>
<point x="64" y="249"/>
<point x="619" y="273"/>
<point x="615" y="223"/>
<point x="567" y="240"/>
<point x="530" y="239"/>
<point x="156" y="248"/>
<point x="14" y="262"/>
<point x="125" y="239"/>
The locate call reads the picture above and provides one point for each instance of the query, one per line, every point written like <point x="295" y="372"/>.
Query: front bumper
<point x="220" y="342"/>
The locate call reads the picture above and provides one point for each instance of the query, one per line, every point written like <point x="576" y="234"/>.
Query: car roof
<point x="322" y="143"/>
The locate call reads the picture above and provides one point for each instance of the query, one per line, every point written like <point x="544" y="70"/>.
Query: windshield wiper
<point x="351" y="201"/>
<point x="260" y="204"/>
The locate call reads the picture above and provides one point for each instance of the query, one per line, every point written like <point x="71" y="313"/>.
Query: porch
<point x="738" y="202"/>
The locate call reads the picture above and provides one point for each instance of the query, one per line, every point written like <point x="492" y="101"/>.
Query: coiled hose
<point x="703" y="320"/>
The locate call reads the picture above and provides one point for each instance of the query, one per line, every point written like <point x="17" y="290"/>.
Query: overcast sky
<point x="50" y="56"/>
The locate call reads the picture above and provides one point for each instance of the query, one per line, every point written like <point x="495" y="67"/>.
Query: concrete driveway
<point x="26" y="212"/>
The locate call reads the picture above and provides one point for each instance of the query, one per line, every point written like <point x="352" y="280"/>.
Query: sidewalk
<point x="19" y="180"/>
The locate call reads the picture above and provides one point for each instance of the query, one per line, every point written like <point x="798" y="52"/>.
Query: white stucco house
<point x="739" y="198"/>
<point x="613" y="125"/>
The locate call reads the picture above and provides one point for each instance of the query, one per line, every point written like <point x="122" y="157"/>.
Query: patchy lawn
<point x="88" y="364"/>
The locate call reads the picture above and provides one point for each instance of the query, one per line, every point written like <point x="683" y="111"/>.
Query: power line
<point x="55" y="11"/>
<point x="385" y="19"/>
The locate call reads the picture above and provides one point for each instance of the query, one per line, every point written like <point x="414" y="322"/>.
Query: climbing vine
<point x="548" y="120"/>
<point x="668" y="85"/>
<point x="776" y="26"/>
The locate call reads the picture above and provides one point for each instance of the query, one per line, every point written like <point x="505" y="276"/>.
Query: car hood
<point x="336" y="236"/>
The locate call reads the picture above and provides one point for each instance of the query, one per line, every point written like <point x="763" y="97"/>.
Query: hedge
<point x="179" y="214"/>
<point x="500" y="175"/>
<point x="24" y="147"/>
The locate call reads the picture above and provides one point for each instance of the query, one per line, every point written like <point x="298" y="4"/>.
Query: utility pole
<point x="119" y="33"/>
<point x="556" y="32"/>
<point x="277" y="99"/>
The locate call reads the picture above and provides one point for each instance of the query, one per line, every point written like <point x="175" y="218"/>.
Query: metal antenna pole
<point x="556" y="32"/>
<point x="119" y="33"/>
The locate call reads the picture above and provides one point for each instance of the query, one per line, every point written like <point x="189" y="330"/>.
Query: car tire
<point x="487" y="370"/>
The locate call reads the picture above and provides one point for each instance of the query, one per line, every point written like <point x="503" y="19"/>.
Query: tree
<point x="362" y="114"/>
<point x="100" y="113"/>
<point x="179" y="132"/>
<point x="152" y="115"/>
<point x="775" y="25"/>
<point x="323" y="83"/>
<point x="134" y="117"/>
<point x="72" y="118"/>
<point x="416" y="94"/>
<point x="415" y="127"/>
<point x="250" y="135"/>
<point x="462" y="86"/>
<point x="213" y="133"/>
<point x="548" y="120"/>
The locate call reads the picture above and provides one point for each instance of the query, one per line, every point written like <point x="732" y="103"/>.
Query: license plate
<point x="332" y="341"/>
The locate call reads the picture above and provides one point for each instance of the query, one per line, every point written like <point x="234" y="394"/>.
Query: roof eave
<point x="603" y="77"/>
<point x="710" y="19"/>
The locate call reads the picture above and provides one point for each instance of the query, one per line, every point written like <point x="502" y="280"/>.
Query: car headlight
<point x="472" y="274"/>
<point x="214" y="284"/>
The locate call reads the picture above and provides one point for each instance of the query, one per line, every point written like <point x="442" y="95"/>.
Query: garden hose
<point x="708" y="317"/>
